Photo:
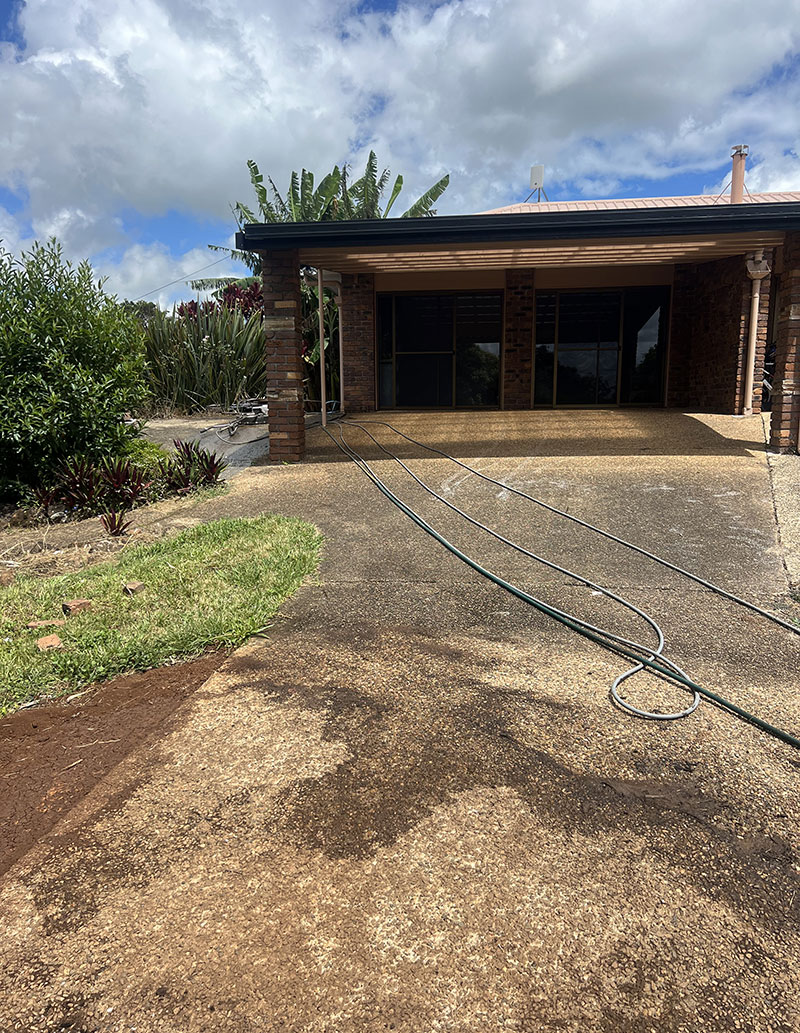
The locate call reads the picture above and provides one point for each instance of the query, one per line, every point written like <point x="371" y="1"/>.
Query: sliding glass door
<point x="439" y="350"/>
<point x="597" y="348"/>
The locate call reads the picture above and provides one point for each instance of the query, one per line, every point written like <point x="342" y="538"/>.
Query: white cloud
<point x="155" y="106"/>
<point x="152" y="272"/>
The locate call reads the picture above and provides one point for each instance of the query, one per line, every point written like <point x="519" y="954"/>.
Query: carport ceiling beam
<point x="618" y="252"/>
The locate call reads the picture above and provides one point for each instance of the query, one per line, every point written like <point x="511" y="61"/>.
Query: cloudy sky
<point x="125" y="127"/>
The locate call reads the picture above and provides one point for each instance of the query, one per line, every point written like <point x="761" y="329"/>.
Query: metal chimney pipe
<point x="739" y="155"/>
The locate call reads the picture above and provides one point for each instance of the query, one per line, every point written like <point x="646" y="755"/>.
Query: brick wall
<point x="710" y="319"/>
<point x="282" y="318"/>
<point x="358" y="341"/>
<point x="785" y="419"/>
<point x="518" y="339"/>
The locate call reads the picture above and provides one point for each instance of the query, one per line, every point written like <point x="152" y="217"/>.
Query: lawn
<point x="212" y="585"/>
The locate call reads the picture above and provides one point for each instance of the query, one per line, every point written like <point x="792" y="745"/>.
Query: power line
<point x="182" y="278"/>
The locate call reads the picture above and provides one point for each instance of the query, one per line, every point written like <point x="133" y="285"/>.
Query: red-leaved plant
<point x="115" y="523"/>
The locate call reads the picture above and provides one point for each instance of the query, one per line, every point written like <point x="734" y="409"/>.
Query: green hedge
<point x="71" y="366"/>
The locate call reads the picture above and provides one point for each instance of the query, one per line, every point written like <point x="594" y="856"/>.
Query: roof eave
<point x="462" y="229"/>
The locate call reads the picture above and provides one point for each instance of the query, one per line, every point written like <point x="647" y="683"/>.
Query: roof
<point x="511" y="225"/>
<point x="636" y="235"/>
<point x="624" y="203"/>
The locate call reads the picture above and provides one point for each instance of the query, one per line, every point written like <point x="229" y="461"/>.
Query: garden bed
<point x="32" y="547"/>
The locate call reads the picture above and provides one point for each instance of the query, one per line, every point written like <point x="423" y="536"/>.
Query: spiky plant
<point x="46" y="498"/>
<point x="124" y="484"/>
<point x="79" y="485"/>
<point x="114" y="523"/>
<point x="208" y="356"/>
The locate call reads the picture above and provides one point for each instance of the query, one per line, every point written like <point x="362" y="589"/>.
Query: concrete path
<point x="412" y="806"/>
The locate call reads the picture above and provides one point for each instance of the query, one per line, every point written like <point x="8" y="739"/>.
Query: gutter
<point x="778" y="216"/>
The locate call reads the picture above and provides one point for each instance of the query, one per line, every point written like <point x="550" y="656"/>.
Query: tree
<point x="335" y="198"/>
<point x="144" y="311"/>
<point x="72" y="365"/>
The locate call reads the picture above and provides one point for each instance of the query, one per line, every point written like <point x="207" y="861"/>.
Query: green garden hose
<point x="648" y="659"/>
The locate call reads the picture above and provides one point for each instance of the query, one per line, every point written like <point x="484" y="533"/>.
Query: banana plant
<point x="334" y="198"/>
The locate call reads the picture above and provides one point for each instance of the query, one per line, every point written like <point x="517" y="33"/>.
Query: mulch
<point x="52" y="756"/>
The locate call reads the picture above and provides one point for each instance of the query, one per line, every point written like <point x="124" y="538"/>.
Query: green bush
<point x="71" y="365"/>
<point x="145" y="455"/>
<point x="208" y="356"/>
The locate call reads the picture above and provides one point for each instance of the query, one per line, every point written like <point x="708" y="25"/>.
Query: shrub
<point x="72" y="363"/>
<point x="210" y="355"/>
<point x="145" y="456"/>
<point x="191" y="467"/>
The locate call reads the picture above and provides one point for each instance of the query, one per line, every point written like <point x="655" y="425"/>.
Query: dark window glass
<point x="385" y="327"/>
<point x="423" y="323"/>
<point x="577" y="376"/>
<point x="479" y="323"/>
<point x="546" y="303"/>
<point x="423" y="380"/>
<point x="588" y="319"/>
<point x="643" y="344"/>
<point x="386" y="399"/>
<point x="545" y="317"/>
<point x="607" y="362"/>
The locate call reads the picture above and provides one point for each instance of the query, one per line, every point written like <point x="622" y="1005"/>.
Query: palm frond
<point x="424" y="204"/>
<point x="281" y="207"/>
<point x="257" y="180"/>
<point x="294" y="198"/>
<point x="306" y="195"/>
<point x="325" y="194"/>
<point x="345" y="210"/>
<point x="398" y="186"/>
<point x="243" y="214"/>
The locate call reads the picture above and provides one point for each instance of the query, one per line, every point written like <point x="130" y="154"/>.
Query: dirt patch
<point x="52" y="756"/>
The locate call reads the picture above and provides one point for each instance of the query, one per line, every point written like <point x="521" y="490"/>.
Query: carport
<point x="646" y="306"/>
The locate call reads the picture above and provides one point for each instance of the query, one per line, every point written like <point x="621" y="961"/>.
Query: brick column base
<point x="282" y="321"/>
<point x="785" y="421"/>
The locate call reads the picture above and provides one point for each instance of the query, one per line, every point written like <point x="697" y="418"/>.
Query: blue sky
<point x="127" y="128"/>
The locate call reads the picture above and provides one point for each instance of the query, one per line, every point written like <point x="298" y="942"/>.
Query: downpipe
<point x="757" y="270"/>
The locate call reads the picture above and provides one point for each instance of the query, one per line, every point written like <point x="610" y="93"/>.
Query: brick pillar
<point x="684" y="306"/>
<point x="786" y="386"/>
<point x="518" y="339"/>
<point x="708" y="338"/>
<point x="358" y="341"/>
<point x="282" y="323"/>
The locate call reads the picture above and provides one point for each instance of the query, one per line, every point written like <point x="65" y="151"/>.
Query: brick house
<point x="674" y="302"/>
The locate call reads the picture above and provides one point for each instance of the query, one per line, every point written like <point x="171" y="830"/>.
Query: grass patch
<point x="211" y="585"/>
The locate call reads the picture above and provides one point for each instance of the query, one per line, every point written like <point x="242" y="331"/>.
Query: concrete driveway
<point x="411" y="807"/>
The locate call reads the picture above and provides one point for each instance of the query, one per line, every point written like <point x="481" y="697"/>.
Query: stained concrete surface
<point x="248" y="444"/>
<point x="412" y="806"/>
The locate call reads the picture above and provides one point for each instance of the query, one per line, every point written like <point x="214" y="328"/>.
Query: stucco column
<point x="786" y="384"/>
<point x="282" y="323"/>
<point x="518" y="339"/>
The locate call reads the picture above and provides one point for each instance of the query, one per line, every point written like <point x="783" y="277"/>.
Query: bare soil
<point x="51" y="757"/>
